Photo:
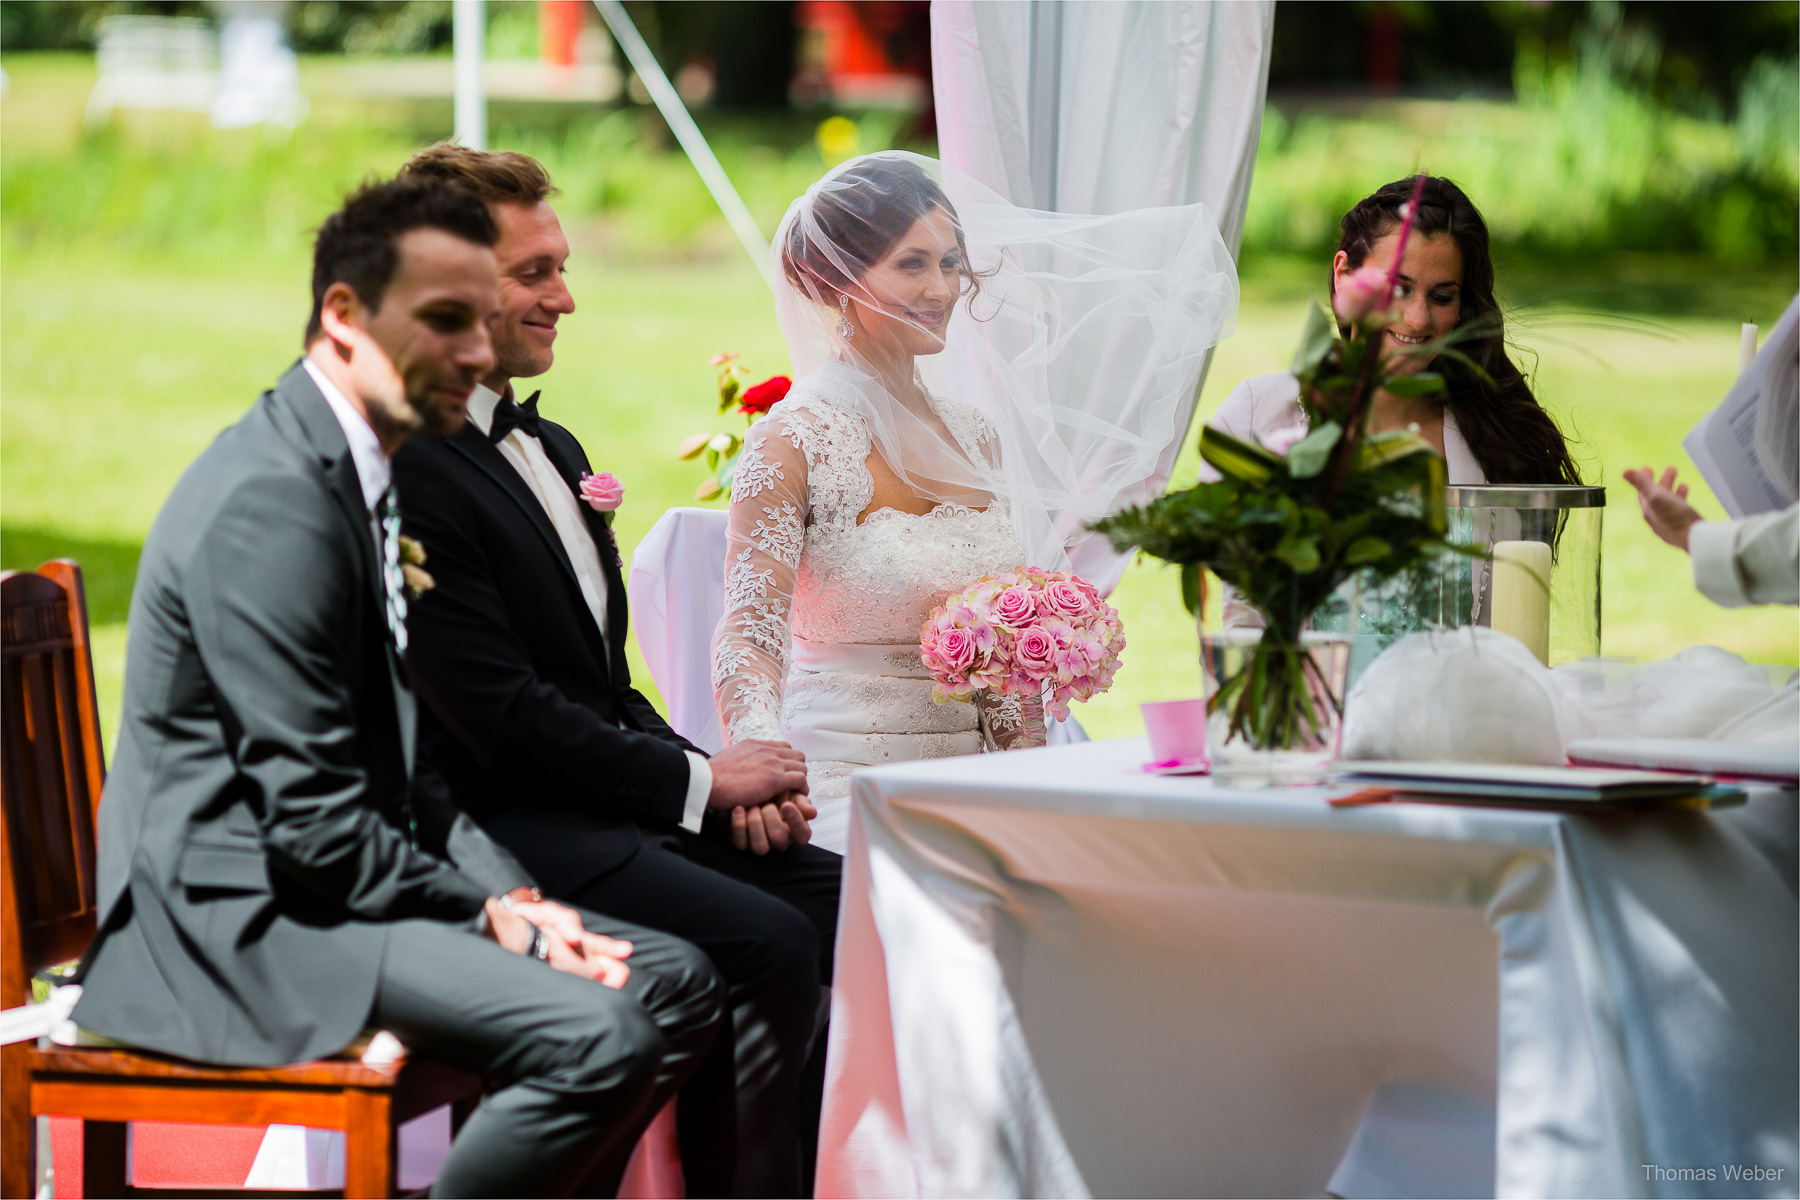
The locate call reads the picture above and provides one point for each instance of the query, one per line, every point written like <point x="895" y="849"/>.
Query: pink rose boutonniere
<point x="602" y="492"/>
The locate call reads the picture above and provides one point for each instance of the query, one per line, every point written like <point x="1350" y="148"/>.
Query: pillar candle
<point x="1746" y="347"/>
<point x="1521" y="594"/>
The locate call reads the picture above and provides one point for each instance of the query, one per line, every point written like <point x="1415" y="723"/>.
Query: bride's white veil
<point x="1080" y="338"/>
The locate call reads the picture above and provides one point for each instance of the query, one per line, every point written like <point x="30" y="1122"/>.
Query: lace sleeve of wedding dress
<point x="764" y="537"/>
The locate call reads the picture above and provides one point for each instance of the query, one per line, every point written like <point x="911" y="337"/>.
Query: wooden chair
<point x="51" y="772"/>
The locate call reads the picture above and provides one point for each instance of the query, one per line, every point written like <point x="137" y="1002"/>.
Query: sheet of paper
<point x="1723" y="444"/>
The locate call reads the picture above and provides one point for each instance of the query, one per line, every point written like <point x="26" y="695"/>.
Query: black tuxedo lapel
<point x="474" y="445"/>
<point x="320" y="427"/>
<point x="565" y="454"/>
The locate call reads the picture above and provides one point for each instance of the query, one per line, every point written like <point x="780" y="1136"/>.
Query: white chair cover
<point x="677" y="592"/>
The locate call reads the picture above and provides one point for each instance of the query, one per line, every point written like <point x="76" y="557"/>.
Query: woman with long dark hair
<point x="1490" y="430"/>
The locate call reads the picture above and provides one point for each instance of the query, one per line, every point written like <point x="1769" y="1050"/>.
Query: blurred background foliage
<point x="1639" y="164"/>
<point x="1585" y="129"/>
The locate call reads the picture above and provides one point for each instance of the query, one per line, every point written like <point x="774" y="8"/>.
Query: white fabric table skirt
<point x="1059" y="976"/>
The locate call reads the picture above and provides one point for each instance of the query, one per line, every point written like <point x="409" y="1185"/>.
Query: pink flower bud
<point x="1358" y="294"/>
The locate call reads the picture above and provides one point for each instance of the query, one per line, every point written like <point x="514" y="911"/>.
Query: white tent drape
<point x="1101" y="106"/>
<point x="1088" y="107"/>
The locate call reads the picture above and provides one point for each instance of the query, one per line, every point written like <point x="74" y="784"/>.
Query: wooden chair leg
<point x="18" y="1132"/>
<point x="370" y="1158"/>
<point x="103" y="1158"/>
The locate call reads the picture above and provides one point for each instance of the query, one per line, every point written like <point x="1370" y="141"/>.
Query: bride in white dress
<point x="974" y="382"/>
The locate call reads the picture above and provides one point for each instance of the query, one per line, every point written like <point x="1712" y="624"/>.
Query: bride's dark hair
<point x="860" y="214"/>
<point x="1510" y="434"/>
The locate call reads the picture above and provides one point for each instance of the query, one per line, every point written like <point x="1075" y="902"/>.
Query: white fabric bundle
<point x="1460" y="695"/>
<point x="1694" y="694"/>
<point x="1473" y="695"/>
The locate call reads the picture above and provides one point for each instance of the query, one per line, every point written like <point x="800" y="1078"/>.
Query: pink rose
<point x="1355" y="296"/>
<point x="1061" y="598"/>
<point x="953" y="650"/>
<point x="1015" y="606"/>
<point x="602" y="491"/>
<point x="1034" y="651"/>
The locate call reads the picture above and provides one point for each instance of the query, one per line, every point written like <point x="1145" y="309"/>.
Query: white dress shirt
<point x="372" y="468"/>
<point x="1755" y="560"/>
<point x="526" y="456"/>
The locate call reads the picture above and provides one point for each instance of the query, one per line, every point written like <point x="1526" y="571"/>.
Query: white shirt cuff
<point x="699" y="788"/>
<point x="1711" y="545"/>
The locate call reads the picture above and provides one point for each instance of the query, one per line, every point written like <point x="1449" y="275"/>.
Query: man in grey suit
<point x="276" y="872"/>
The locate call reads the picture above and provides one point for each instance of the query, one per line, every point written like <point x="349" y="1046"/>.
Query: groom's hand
<point x="755" y="773"/>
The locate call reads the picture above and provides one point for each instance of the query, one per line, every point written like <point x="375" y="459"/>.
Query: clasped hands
<point x="763" y="785"/>
<point x="571" y="948"/>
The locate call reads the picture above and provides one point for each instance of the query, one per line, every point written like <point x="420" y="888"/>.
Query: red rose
<point x="765" y="395"/>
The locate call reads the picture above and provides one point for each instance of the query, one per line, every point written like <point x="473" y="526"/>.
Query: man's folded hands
<point x="569" y="947"/>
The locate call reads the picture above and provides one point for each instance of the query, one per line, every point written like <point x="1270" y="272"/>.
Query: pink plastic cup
<point x="1177" y="730"/>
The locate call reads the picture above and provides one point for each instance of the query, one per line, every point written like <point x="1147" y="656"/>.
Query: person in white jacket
<point x="1755" y="560"/>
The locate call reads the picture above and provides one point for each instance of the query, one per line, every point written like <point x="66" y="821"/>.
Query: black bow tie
<point x="509" y="416"/>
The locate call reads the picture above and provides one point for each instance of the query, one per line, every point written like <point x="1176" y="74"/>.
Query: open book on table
<point x="1574" y="788"/>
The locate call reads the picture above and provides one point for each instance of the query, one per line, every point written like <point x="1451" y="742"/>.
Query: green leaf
<point x="1190" y="587"/>
<point x="1315" y="341"/>
<point x="712" y="459"/>
<point x="1308" y="456"/>
<point x="1366" y="550"/>
<point x="1424" y="383"/>
<point x="1379" y="449"/>
<point x="1243" y="461"/>
<point x="727" y="472"/>
<point x="1301" y="554"/>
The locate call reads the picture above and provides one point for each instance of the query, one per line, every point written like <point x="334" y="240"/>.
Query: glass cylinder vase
<point x="1539" y="579"/>
<point x="1275" y="707"/>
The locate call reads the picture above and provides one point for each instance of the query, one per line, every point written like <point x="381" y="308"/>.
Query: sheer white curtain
<point x="1079" y="106"/>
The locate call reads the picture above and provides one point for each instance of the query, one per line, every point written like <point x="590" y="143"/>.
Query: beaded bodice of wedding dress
<point x="814" y="601"/>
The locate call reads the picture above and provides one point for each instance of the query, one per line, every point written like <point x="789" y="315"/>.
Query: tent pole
<point x="468" y="33"/>
<point x="681" y="124"/>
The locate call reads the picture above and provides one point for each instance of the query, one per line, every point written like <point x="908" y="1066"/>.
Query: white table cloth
<point x="1059" y="976"/>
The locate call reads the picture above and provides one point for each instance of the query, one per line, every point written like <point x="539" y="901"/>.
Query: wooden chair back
<point x="51" y="773"/>
<point x="52" y="769"/>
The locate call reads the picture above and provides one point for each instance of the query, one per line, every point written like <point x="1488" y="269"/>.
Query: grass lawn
<point x="114" y="378"/>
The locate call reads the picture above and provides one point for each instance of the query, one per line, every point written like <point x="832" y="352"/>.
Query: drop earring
<point x="844" y="329"/>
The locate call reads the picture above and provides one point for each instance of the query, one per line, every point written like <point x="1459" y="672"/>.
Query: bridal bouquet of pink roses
<point x="1026" y="631"/>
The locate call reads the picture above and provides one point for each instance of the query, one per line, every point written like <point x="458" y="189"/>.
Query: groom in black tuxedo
<point x="531" y="717"/>
<point x="275" y="870"/>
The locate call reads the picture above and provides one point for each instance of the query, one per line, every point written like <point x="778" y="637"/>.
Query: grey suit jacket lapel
<point x="320" y="428"/>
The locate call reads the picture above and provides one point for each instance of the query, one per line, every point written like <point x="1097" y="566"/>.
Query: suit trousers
<point x="576" y="1069"/>
<point x="769" y="924"/>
